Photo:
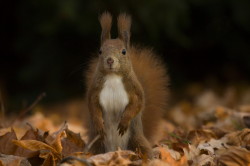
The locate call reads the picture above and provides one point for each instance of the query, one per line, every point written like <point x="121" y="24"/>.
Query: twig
<point x="2" y="107"/>
<point x="91" y="143"/>
<point x="25" y="111"/>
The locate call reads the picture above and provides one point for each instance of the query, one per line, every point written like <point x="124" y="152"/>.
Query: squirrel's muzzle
<point x="110" y="61"/>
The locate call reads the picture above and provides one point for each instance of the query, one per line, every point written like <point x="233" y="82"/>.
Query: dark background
<point x="46" y="44"/>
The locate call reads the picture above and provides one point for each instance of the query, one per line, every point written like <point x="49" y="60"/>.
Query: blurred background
<point x="46" y="45"/>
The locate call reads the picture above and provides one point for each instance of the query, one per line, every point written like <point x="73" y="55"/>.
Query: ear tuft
<point x="124" y="24"/>
<point x="106" y="23"/>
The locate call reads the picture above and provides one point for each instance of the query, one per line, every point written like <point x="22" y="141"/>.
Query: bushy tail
<point x="153" y="77"/>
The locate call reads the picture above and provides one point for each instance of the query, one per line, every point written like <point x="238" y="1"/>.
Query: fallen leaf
<point x="4" y="131"/>
<point x="161" y="149"/>
<point x="239" y="138"/>
<point x="31" y="134"/>
<point x="49" y="160"/>
<point x="72" y="143"/>
<point x="54" y="139"/>
<point x="191" y="152"/>
<point x="203" y="160"/>
<point x="6" y="145"/>
<point x="123" y="156"/>
<point x="38" y="145"/>
<point x="166" y="157"/>
<point x="10" y="160"/>
<point x="235" y="156"/>
<point x="197" y="136"/>
<point x="211" y="146"/>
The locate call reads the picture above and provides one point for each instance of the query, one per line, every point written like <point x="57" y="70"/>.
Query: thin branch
<point x="25" y="111"/>
<point x="2" y="107"/>
<point x="91" y="143"/>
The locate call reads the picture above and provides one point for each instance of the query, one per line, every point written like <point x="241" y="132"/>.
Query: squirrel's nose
<point x="110" y="61"/>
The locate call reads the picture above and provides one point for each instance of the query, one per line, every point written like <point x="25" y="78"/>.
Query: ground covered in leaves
<point x="206" y="128"/>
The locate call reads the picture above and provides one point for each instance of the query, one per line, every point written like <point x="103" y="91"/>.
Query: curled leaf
<point x="235" y="156"/>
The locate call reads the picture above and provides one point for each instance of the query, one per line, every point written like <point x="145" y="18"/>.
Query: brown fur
<point x="145" y="80"/>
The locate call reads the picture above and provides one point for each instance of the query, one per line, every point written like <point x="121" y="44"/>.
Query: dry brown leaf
<point x="31" y="134"/>
<point x="72" y="143"/>
<point x="219" y="132"/>
<point x="6" y="145"/>
<point x="191" y="152"/>
<point x="158" y="150"/>
<point x="234" y="156"/>
<point x="10" y="160"/>
<point x="211" y="146"/>
<point x="203" y="160"/>
<point x="4" y="131"/>
<point x="46" y="152"/>
<point x="82" y="155"/>
<point x="166" y="157"/>
<point x="37" y="145"/>
<point x="239" y="138"/>
<point x="117" y="159"/>
<point x="49" y="160"/>
<point x="54" y="139"/>
<point x="123" y="157"/>
<point x="198" y="136"/>
<point x="34" y="145"/>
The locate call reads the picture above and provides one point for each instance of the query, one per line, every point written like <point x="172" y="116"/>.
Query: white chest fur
<point x="113" y="99"/>
<point x="113" y="96"/>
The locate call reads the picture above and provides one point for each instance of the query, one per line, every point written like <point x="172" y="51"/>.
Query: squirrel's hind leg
<point x="139" y="142"/>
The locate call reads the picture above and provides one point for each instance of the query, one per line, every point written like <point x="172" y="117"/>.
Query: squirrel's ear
<point x="124" y="24"/>
<point x="106" y="22"/>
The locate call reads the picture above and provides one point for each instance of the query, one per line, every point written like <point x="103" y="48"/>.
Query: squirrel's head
<point x="114" y="53"/>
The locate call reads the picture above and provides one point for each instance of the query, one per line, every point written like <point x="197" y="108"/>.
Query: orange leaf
<point x="166" y="157"/>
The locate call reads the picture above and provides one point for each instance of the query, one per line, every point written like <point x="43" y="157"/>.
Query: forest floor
<point x="204" y="128"/>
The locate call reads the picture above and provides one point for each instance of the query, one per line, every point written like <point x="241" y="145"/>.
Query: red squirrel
<point x="127" y="91"/>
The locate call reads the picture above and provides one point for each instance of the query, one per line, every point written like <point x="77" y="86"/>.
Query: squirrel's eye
<point x="100" y="51"/>
<point x="123" y="51"/>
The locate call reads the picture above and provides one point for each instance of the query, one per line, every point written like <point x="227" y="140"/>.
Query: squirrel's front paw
<point x="122" y="128"/>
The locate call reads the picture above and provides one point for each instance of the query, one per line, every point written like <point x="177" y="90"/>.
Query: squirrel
<point x="127" y="92"/>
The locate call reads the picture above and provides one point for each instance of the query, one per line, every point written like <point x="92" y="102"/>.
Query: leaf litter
<point x="210" y="129"/>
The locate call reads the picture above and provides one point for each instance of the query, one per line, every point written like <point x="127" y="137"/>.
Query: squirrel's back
<point x="153" y="77"/>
